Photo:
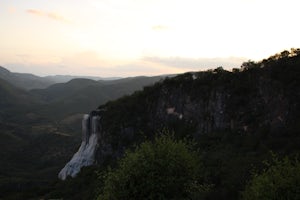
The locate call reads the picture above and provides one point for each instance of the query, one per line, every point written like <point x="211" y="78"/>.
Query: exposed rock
<point x="85" y="156"/>
<point x="253" y="101"/>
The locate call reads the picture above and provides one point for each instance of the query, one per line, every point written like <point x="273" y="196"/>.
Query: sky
<point x="123" y="38"/>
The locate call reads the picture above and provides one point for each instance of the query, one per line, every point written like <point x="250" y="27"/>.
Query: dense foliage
<point x="163" y="169"/>
<point x="41" y="129"/>
<point x="280" y="181"/>
<point x="262" y="105"/>
<point x="257" y="97"/>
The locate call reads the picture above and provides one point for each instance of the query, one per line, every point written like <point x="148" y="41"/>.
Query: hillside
<point x="11" y="95"/>
<point x="12" y="100"/>
<point x="236" y="119"/>
<point x="24" y="81"/>
<point x="263" y="97"/>
<point x="29" y="81"/>
<point x="67" y="78"/>
<point x="83" y="95"/>
<point x="30" y="145"/>
<point x="15" y="100"/>
<point x="40" y="129"/>
<point x="80" y="86"/>
<point x="62" y="90"/>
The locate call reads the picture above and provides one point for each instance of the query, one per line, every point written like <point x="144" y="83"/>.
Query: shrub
<point x="163" y="169"/>
<point x="280" y="181"/>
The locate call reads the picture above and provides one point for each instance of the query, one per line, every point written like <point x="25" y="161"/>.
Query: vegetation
<point x="261" y="113"/>
<point x="279" y="181"/>
<point x="24" y="81"/>
<point x="256" y="97"/>
<point x="41" y="129"/>
<point x="84" y="186"/>
<point x="83" y="95"/>
<point x="163" y="169"/>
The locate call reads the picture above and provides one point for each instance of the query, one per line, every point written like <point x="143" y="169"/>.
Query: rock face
<point x="255" y="101"/>
<point x="258" y="101"/>
<point x="85" y="155"/>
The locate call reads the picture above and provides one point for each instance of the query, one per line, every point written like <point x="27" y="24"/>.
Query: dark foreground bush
<point x="163" y="169"/>
<point x="278" y="182"/>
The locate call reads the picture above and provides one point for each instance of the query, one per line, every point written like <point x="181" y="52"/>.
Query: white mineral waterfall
<point x="85" y="155"/>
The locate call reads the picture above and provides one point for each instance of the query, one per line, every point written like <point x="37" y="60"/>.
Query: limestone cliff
<point x="262" y="99"/>
<point x="85" y="156"/>
<point x="258" y="100"/>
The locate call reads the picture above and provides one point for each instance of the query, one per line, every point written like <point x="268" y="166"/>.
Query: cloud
<point x="49" y="64"/>
<point x="50" y="15"/>
<point x="35" y="12"/>
<point x="91" y="63"/>
<point x="196" y="63"/>
<point x="11" y="9"/>
<point x="84" y="59"/>
<point x="159" y="28"/>
<point x="56" y="17"/>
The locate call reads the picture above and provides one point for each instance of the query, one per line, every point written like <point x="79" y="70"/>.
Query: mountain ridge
<point x="24" y="80"/>
<point x="30" y="81"/>
<point x="38" y="134"/>
<point x="236" y="118"/>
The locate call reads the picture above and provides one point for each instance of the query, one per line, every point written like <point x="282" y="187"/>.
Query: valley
<point x="237" y="121"/>
<point x="41" y="128"/>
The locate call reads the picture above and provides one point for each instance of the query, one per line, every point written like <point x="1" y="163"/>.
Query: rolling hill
<point x="83" y="95"/>
<point x="40" y="128"/>
<point x="25" y="81"/>
<point x="29" y="81"/>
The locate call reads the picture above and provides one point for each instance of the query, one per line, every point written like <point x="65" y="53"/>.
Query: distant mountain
<point x="61" y="99"/>
<point x="30" y="81"/>
<point x="40" y="128"/>
<point x="66" y="78"/>
<point x="62" y="90"/>
<point x="12" y="96"/>
<point x="82" y="95"/>
<point x="25" y="81"/>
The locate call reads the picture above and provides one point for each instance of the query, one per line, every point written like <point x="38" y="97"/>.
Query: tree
<point x="219" y="69"/>
<point x="248" y="65"/>
<point x="295" y="52"/>
<point x="284" y="54"/>
<point x="279" y="181"/>
<point x="163" y="169"/>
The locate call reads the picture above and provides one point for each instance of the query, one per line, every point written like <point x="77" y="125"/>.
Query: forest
<point x="212" y="134"/>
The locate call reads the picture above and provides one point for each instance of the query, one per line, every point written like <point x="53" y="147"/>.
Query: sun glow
<point x="119" y="33"/>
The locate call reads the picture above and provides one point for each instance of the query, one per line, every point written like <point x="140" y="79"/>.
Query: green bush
<point x="163" y="169"/>
<point x="279" y="182"/>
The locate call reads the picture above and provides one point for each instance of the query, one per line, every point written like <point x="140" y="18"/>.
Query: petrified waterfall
<point x="85" y="155"/>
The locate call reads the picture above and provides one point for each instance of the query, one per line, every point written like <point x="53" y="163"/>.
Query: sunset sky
<point x="142" y="37"/>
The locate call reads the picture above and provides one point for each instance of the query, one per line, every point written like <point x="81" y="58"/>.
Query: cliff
<point x="85" y="156"/>
<point x="262" y="98"/>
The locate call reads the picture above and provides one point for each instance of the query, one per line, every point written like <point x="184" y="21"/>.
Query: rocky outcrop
<point x="85" y="156"/>
<point x="195" y="104"/>
<point x="255" y="101"/>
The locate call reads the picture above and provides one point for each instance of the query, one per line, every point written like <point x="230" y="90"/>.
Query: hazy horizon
<point x="112" y="38"/>
<point x="214" y="63"/>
